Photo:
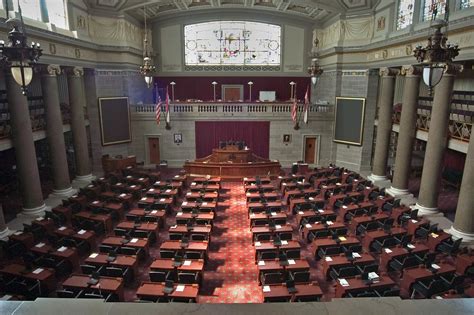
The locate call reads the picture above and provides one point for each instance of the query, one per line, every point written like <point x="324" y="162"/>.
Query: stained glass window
<point x="405" y="13"/>
<point x="432" y="8"/>
<point x="232" y="43"/>
<point x="464" y="4"/>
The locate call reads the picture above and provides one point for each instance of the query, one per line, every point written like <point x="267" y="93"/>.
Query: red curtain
<point x="256" y="135"/>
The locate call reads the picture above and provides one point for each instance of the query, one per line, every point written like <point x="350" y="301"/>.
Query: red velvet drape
<point x="256" y="135"/>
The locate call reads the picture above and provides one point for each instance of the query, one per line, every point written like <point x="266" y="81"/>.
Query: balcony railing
<point x="460" y="118"/>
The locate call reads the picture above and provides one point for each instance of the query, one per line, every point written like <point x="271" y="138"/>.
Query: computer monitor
<point x="189" y="225"/>
<point x="283" y="259"/>
<point x="178" y="260"/>
<point x="112" y="256"/>
<point x="184" y="242"/>
<point x="276" y="240"/>
<point x="94" y="278"/>
<point x="349" y="255"/>
<point x="290" y="285"/>
<point x="271" y="225"/>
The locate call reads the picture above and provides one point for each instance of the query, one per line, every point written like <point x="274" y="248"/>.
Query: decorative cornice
<point x="411" y="70"/>
<point x="74" y="71"/>
<point x="388" y="72"/>
<point x="51" y="70"/>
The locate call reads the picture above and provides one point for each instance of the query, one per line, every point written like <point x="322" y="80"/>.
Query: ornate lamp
<point x="315" y="71"/>
<point x="147" y="70"/>
<point x="172" y="83"/>
<point x="292" y="90"/>
<point x="436" y="55"/>
<point x="18" y="54"/>
<point x="214" y="83"/>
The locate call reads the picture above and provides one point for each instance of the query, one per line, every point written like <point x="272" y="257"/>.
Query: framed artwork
<point x="113" y="112"/>
<point x="350" y="113"/>
<point x="286" y="138"/>
<point x="178" y="138"/>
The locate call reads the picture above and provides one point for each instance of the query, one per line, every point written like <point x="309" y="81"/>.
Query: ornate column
<point x="384" y="126"/>
<point x="4" y="231"/>
<point x="407" y="131"/>
<point x="54" y="130"/>
<point x="437" y="142"/>
<point x="77" y="103"/>
<point x="463" y="226"/>
<point x="27" y="165"/>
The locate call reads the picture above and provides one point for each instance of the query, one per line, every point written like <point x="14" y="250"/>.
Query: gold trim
<point x="101" y="122"/>
<point x="362" y="120"/>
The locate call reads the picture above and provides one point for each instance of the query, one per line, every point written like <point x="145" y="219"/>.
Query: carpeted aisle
<point x="231" y="273"/>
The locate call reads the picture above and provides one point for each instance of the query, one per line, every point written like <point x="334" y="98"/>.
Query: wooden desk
<point x="158" y="214"/>
<point x="183" y="218"/>
<point x="208" y="196"/>
<point x="268" y="195"/>
<point x="289" y="179"/>
<point x="110" y="164"/>
<point x="434" y="239"/>
<point x="308" y="214"/>
<point x="311" y="201"/>
<point x="198" y="229"/>
<point x="400" y="253"/>
<point x="47" y="225"/>
<point x="332" y="200"/>
<point x="188" y="206"/>
<point x="413" y="225"/>
<point x="323" y="243"/>
<point x="194" y="265"/>
<point x="298" y="194"/>
<point x="256" y="207"/>
<point x="121" y="261"/>
<point x="267" y="266"/>
<point x="351" y="208"/>
<point x="105" y="219"/>
<point x="365" y="219"/>
<point x="149" y="227"/>
<point x="308" y="228"/>
<point x="253" y="180"/>
<point x="26" y="238"/>
<point x="44" y="275"/>
<point x="337" y="262"/>
<point x="82" y="235"/>
<point x="62" y="253"/>
<point x="208" y="181"/>
<point x="396" y="213"/>
<point x="254" y="188"/>
<point x="279" y="291"/>
<point x="196" y="246"/>
<point x="116" y="241"/>
<point x="358" y="285"/>
<point x="463" y="262"/>
<point x="410" y="276"/>
<point x="105" y="285"/>
<point x="257" y="230"/>
<point x="198" y="187"/>
<point x="264" y="217"/>
<point x="290" y="186"/>
<point x="268" y="246"/>
<point x="155" y="290"/>
<point x="380" y="235"/>
<point x="116" y="208"/>
<point x="381" y="200"/>
<point x="64" y="212"/>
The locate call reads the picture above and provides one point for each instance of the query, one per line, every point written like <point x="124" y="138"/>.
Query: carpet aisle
<point x="231" y="273"/>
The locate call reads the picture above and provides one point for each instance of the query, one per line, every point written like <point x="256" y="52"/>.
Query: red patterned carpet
<point x="231" y="273"/>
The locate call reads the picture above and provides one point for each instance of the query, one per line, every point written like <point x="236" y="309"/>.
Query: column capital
<point x="75" y="72"/>
<point x="50" y="70"/>
<point x="453" y="68"/>
<point x="411" y="70"/>
<point x="388" y="72"/>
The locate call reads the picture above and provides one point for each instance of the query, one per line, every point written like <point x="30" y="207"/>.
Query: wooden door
<point x="232" y="94"/>
<point x="154" y="150"/>
<point x="310" y="150"/>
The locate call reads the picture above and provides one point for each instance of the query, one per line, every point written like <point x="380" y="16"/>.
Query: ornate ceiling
<point x="309" y="10"/>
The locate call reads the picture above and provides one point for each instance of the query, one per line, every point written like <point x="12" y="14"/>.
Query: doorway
<point x="154" y="150"/>
<point x="310" y="149"/>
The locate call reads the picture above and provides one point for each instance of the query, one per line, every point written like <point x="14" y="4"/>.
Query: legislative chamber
<point x="236" y="157"/>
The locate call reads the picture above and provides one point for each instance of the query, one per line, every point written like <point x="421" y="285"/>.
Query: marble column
<point x="77" y="103"/>
<point x="54" y="131"/>
<point x="437" y="143"/>
<point x="463" y="226"/>
<point x="384" y="126"/>
<point x="4" y="231"/>
<point x="26" y="163"/>
<point x="407" y="131"/>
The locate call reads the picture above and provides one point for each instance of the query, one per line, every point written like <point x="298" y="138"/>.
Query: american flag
<point x="167" y="106"/>
<point x="294" y="111"/>
<point x="158" y="110"/>
<point x="306" y="105"/>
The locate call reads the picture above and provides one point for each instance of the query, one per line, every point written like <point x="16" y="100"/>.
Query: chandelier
<point x="436" y="55"/>
<point x="147" y="70"/>
<point x="17" y="54"/>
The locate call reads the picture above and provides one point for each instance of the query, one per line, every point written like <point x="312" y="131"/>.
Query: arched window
<point x="433" y="9"/>
<point x="232" y="43"/>
<point x="405" y="13"/>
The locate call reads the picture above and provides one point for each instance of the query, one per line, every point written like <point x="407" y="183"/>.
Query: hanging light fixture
<point x="147" y="70"/>
<point x="17" y="54"/>
<point x="436" y="55"/>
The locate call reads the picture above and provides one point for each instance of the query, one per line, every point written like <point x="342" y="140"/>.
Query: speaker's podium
<point x="233" y="161"/>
